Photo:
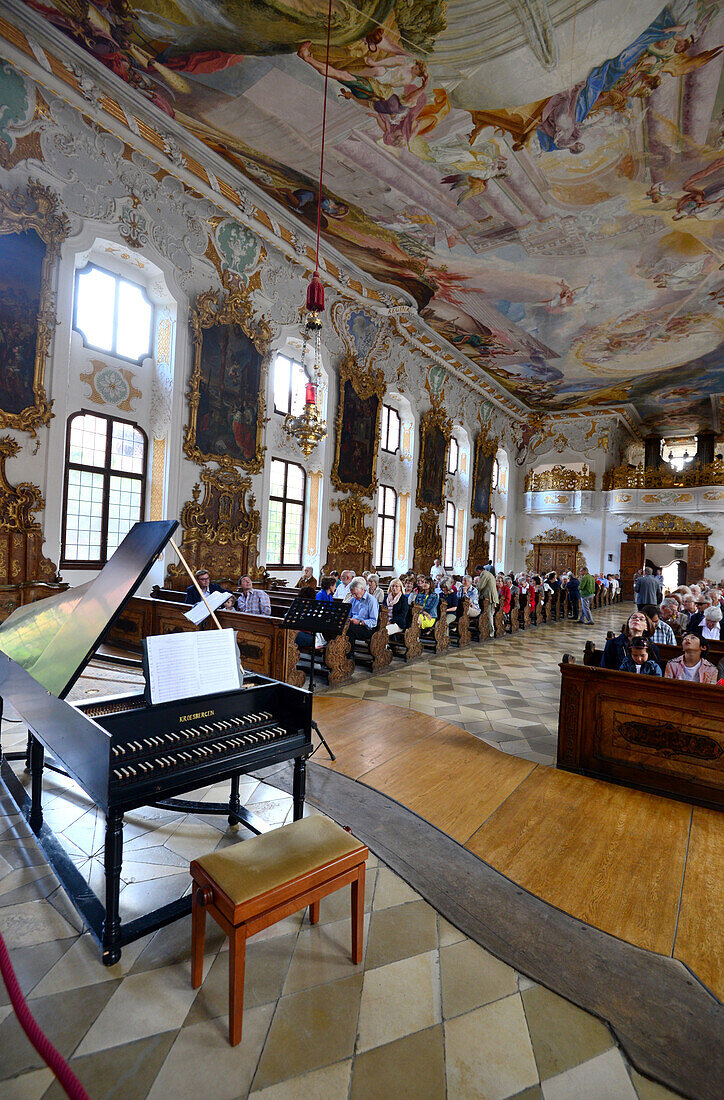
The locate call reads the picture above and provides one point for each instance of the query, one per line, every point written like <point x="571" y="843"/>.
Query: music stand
<point x="317" y="617"/>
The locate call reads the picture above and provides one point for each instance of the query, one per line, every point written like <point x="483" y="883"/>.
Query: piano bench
<point x="260" y="881"/>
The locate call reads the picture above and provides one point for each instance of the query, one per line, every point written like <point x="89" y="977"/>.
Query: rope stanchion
<point x="52" y="1058"/>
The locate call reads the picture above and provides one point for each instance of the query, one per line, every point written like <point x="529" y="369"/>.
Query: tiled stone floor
<point x="504" y="691"/>
<point x="429" y="1013"/>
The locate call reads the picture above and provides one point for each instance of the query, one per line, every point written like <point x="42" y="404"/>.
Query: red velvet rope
<point x="324" y="124"/>
<point x="70" y="1083"/>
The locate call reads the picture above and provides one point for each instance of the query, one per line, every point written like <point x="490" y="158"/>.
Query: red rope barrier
<point x="40" y="1041"/>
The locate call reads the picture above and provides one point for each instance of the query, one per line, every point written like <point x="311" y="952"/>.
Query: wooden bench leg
<point x="198" y="936"/>
<point x="314" y="912"/>
<point x="237" y="959"/>
<point x="358" y="914"/>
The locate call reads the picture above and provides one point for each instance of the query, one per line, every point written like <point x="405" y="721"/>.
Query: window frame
<point x="450" y="468"/>
<point x="290" y="393"/>
<point x="449" y="527"/>
<point x="495" y="476"/>
<point x="108" y="472"/>
<point x="492" y="536"/>
<point x="118" y="280"/>
<point x="385" y="435"/>
<point x="284" y="501"/>
<point x="382" y="515"/>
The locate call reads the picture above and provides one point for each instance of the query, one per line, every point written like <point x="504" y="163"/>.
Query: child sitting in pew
<point x="637" y="659"/>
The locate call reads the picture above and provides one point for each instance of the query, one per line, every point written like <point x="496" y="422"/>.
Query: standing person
<point x="487" y="588"/>
<point x="573" y="589"/>
<point x="587" y="590"/>
<point x="647" y="589"/>
<point x="692" y="665"/>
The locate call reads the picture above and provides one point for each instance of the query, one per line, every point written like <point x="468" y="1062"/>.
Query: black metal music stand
<point x="317" y="617"/>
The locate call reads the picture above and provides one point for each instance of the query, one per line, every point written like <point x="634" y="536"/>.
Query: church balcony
<point x="640" y="477"/>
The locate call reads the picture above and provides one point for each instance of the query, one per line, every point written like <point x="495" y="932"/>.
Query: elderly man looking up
<point x="343" y="587"/>
<point x="364" y="611"/>
<point x="663" y="633"/>
<point x="252" y="601"/>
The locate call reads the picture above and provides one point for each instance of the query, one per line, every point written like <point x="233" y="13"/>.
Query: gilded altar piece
<point x="227" y="405"/>
<point x="435" y="429"/>
<point x="32" y="228"/>
<point x="357" y="428"/>
<point x="485" y="451"/>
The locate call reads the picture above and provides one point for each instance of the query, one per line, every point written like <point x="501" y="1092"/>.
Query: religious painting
<point x="226" y="395"/>
<point x="30" y="234"/>
<point x="435" y="431"/>
<point x="357" y="428"/>
<point x="483" y="475"/>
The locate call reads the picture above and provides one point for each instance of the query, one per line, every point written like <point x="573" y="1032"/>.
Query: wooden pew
<point x="263" y="645"/>
<point x="664" y="736"/>
<point x="376" y="647"/>
<point x="437" y="637"/>
<point x="459" y="629"/>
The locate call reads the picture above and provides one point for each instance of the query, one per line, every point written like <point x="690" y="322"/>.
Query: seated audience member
<point x="326" y="588"/>
<point x="252" y="601"/>
<point x="206" y="585"/>
<point x="692" y="664"/>
<point x="468" y="589"/>
<point x="711" y="626"/>
<point x="697" y="619"/>
<point x="669" y="614"/>
<point x="409" y="587"/>
<point x="398" y="608"/>
<point x="364" y="611"/>
<point x="229" y="603"/>
<point x="342" y="590"/>
<point x="428" y="600"/>
<point x="449" y="596"/>
<point x="373" y="587"/>
<point x="663" y="634"/>
<point x="637" y="659"/>
<point x="437" y="572"/>
<point x="638" y="626"/>
<point x="307" y="578"/>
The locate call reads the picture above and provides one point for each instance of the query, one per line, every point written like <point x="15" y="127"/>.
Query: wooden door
<point x="632" y="559"/>
<point x="565" y="559"/>
<point x="696" y="562"/>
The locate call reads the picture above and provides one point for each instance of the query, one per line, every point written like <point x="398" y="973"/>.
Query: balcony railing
<point x="638" y="477"/>
<point x="560" y="478"/>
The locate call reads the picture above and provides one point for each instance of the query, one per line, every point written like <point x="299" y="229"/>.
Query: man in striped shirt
<point x="663" y="634"/>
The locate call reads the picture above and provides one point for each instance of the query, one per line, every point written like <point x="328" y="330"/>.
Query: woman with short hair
<point x="711" y="626"/>
<point x="373" y="587"/>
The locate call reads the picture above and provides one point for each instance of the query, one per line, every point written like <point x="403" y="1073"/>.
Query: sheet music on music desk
<point x="189" y="664"/>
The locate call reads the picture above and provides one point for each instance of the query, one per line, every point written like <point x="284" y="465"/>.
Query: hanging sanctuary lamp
<point x="308" y="429"/>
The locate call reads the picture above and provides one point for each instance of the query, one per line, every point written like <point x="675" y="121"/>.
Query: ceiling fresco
<point x="545" y="178"/>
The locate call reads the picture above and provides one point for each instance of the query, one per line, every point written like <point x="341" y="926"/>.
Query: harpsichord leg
<point x="37" y="760"/>
<point x="299" y="786"/>
<point x="234" y="802"/>
<point x="113" y="862"/>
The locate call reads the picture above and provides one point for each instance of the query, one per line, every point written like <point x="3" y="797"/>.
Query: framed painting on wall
<point x="435" y="428"/>
<point x="357" y="428"/>
<point x="485" y="451"/>
<point x="31" y="232"/>
<point x="228" y="382"/>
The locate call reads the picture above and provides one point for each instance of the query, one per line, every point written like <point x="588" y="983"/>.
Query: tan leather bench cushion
<point x="264" y="862"/>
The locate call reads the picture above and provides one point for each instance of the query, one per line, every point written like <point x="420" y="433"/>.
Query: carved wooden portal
<point x="350" y="540"/>
<point x="664" y="529"/>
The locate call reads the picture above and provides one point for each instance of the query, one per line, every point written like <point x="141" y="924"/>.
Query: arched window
<point x="386" y="521"/>
<point x="112" y="314"/>
<point x="286" y="513"/>
<point x="491" y="536"/>
<point x="289" y="383"/>
<point x="105" y="487"/>
<point x="453" y="456"/>
<point x="389" y="430"/>
<point x="495" y="479"/>
<point x="449" y="554"/>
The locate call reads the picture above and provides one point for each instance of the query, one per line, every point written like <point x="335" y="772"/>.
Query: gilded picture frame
<point x="357" y="428"/>
<point x="227" y="389"/>
<point x="435" y="432"/>
<point x="485" y="452"/>
<point x="27" y="302"/>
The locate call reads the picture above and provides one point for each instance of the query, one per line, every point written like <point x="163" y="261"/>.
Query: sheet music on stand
<point x="189" y="664"/>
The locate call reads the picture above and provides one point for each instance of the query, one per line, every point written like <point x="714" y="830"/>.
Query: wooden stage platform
<point x="638" y="866"/>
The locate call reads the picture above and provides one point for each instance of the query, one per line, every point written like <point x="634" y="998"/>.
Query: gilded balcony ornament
<point x="560" y="478"/>
<point x="638" y="477"/>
